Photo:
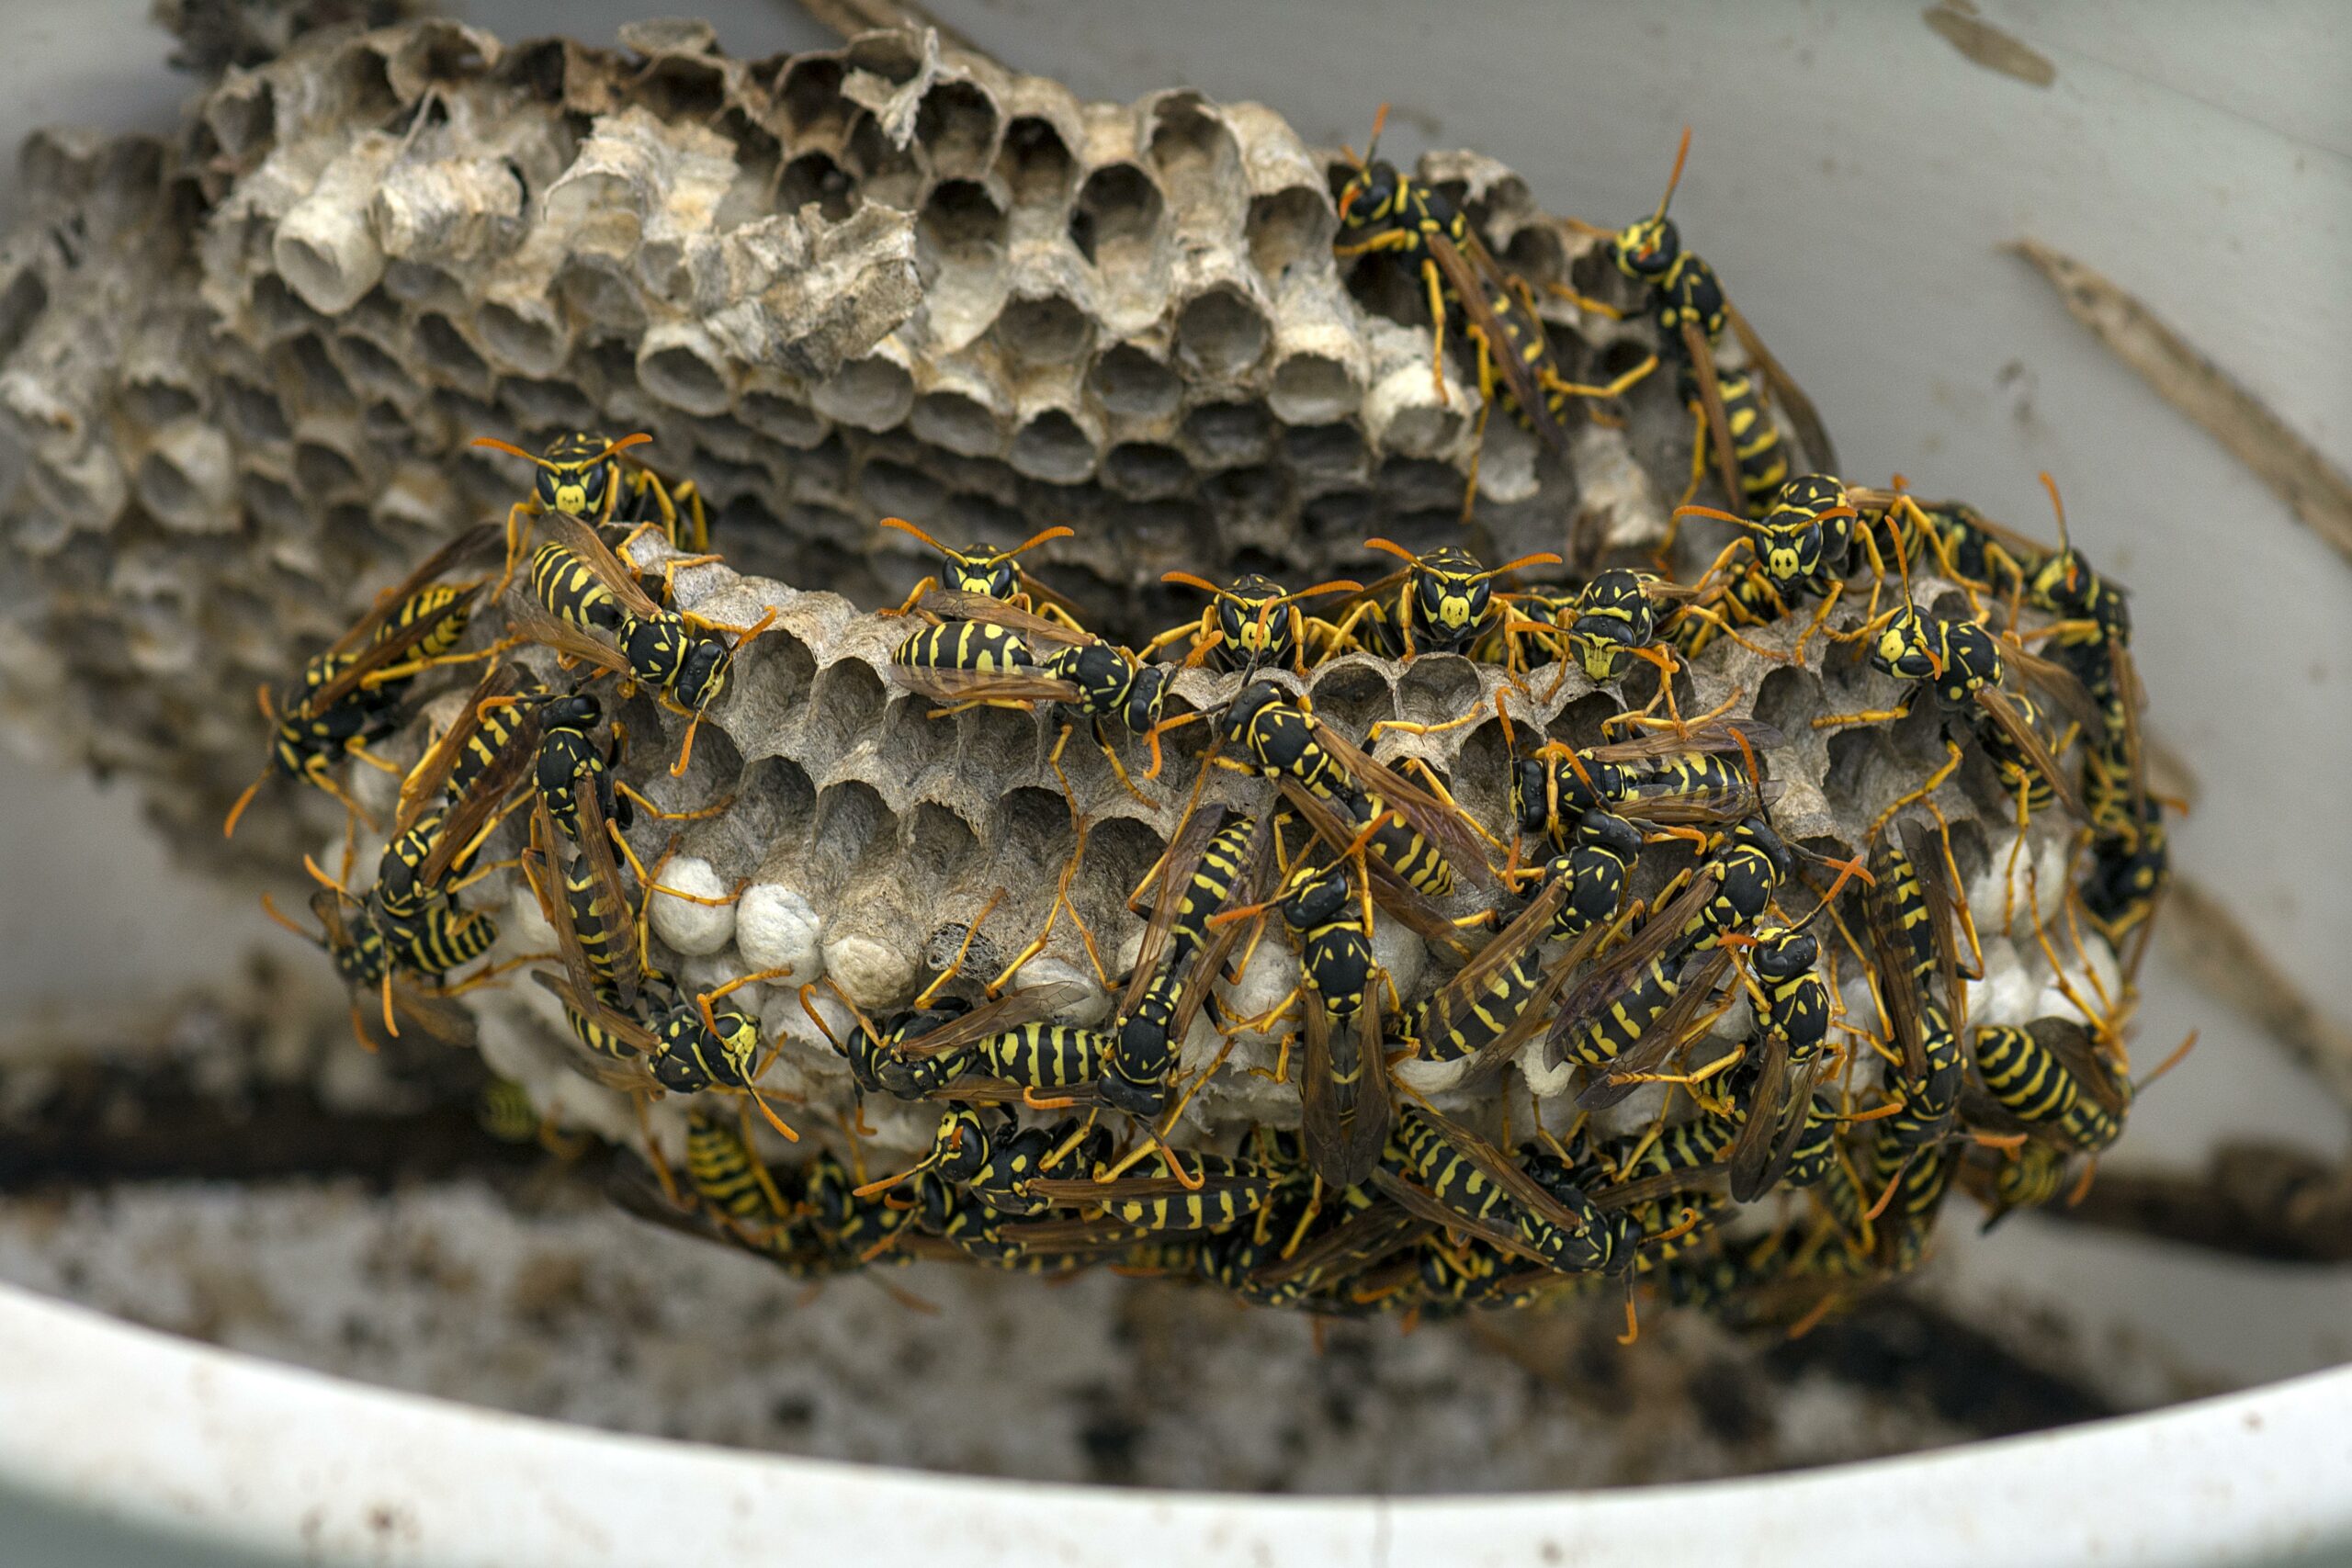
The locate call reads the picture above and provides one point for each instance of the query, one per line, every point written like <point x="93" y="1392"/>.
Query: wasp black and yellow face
<point x="1903" y="649"/>
<point x="1450" y="596"/>
<point x="574" y="480"/>
<point x="703" y="675"/>
<point x="1373" y="198"/>
<point x="1647" y="248"/>
<point x="983" y="569"/>
<point x="1255" y="625"/>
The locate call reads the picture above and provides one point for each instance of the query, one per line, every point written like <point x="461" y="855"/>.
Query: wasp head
<point x="1645" y="249"/>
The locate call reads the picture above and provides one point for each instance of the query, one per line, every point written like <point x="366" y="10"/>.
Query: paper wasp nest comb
<point x="242" y="368"/>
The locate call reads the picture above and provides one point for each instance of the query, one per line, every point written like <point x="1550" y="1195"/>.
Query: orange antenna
<point x="512" y="450"/>
<point x="1674" y="179"/>
<point x="1541" y="557"/>
<point x="1392" y="548"/>
<point x="1056" y="532"/>
<point x="2065" y="543"/>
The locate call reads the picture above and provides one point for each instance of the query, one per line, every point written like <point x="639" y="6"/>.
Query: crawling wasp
<point x="1255" y="621"/>
<point x="354" y="941"/>
<point x="1614" y="622"/>
<point x="672" y="653"/>
<point x="583" y="475"/>
<point x="991" y="573"/>
<point x="956" y="663"/>
<point x="1445" y="1172"/>
<point x="1498" y="1000"/>
<point x="1442" y="602"/>
<point x="351" y="694"/>
<point x="1704" y="774"/>
<point x="925" y="1050"/>
<point x="1384" y="211"/>
<point x="2047" y="1078"/>
<point x="1915" y="968"/>
<point x="1687" y="301"/>
<point x="1180" y="957"/>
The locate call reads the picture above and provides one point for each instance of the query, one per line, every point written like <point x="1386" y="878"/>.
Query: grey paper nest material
<point x="238" y="372"/>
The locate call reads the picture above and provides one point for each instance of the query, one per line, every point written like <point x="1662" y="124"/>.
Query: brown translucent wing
<point x="1538" y="1012"/>
<point x="2057" y="682"/>
<point x="1660" y="1184"/>
<point x="1475" y="279"/>
<point x="1530" y="928"/>
<point x="2135" y="698"/>
<point x="976" y="685"/>
<point x="1663" y="928"/>
<point x="526" y="619"/>
<point x="1716" y="735"/>
<point x="1208" y="964"/>
<point x="978" y="1091"/>
<point x="1034" y="1005"/>
<point x="1503" y="1171"/>
<point x="381" y="655"/>
<point x="1891" y="962"/>
<point x="446" y="1022"/>
<point x="1667" y="1034"/>
<point x="1433" y="819"/>
<point x="1360" y="1241"/>
<point x="2075" y="1051"/>
<point x="428" y="570"/>
<point x="606" y="1071"/>
<point x="612" y="895"/>
<point x="1082" y="1190"/>
<point x="431" y="774"/>
<point x="956" y="604"/>
<point x="1703" y="807"/>
<point x="1392" y="892"/>
<point x="482" y="801"/>
<point x="539" y="871"/>
<point x="1944" y="902"/>
<point x="1423" y="1205"/>
<point x="1801" y="413"/>
<point x="593" y="553"/>
<point x="1758" y="1159"/>
<point x="2022" y="733"/>
<point x="1711" y="400"/>
<point x="1344" y="1128"/>
<point x="327" y="905"/>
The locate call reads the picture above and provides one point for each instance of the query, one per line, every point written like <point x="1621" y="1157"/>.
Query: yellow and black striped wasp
<point x="1963" y="666"/>
<point x="1255" y="621"/>
<point x="669" y="1040"/>
<point x="2047" y="1078"/>
<point x="1440" y="603"/>
<point x="352" y="940"/>
<point x="1440" y="1170"/>
<point x="998" y="1050"/>
<point x="1614" y="624"/>
<point x="619" y="629"/>
<point x="583" y="475"/>
<point x="992" y="574"/>
<point x="1687" y="301"/>
<point x="1698" y="775"/>
<point x="1212" y="1193"/>
<point x="351" y="692"/>
<point x="1382" y="211"/>
<point x="1209" y="864"/>
<point x="1496" y="1002"/>
<point x="1077" y="669"/>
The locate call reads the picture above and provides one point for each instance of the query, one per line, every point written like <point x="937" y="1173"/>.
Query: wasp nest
<point x="240" y="374"/>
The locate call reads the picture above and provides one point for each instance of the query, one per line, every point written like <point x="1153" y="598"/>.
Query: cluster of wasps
<point x="1761" y="1078"/>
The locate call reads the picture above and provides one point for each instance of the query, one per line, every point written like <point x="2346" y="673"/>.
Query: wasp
<point x="1082" y="671"/>
<point x="672" y="653"/>
<point x="1688" y="304"/>
<point x="1416" y="838"/>
<point x="1255" y="621"/>
<point x="989" y="1155"/>
<point x="2047" y="1078"/>
<point x="355" y="944"/>
<point x="1759" y="454"/>
<point x="669" y="1040"/>
<point x="1963" y="666"/>
<point x="351" y="692"/>
<point x="1443" y="602"/>
<point x="1496" y="1000"/>
<point x="1180" y="957"/>
<point x="1343" y="1087"/>
<point x="1782" y="1135"/>
<point x="1384" y="211"/>
<point x="1614" y="622"/>
<point x="1800" y="546"/>
<point x="1528" y="1207"/>
<point x="581" y="474"/>
<point x="924" y="1051"/>
<point x="1217" y="1193"/>
<point x="1915" y="971"/>
<point x="1672" y="778"/>
<point x="991" y="573"/>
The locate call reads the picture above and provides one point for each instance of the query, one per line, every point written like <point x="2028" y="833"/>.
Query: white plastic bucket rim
<point x="126" y="1426"/>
